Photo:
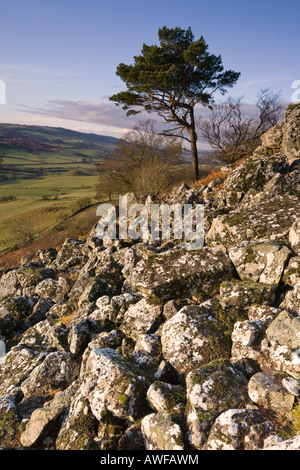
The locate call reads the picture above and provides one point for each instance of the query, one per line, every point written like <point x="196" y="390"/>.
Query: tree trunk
<point x="193" y="140"/>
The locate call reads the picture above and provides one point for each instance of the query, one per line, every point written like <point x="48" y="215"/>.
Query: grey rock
<point x="266" y="390"/>
<point x="161" y="433"/>
<point x="233" y="430"/>
<point x="192" y="338"/>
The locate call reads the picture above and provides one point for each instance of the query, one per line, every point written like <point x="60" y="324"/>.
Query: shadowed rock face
<point x="117" y="345"/>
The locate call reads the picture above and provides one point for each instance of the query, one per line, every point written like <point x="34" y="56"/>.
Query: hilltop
<point x="143" y="344"/>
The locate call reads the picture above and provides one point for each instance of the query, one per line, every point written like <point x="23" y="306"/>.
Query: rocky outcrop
<point x="135" y="344"/>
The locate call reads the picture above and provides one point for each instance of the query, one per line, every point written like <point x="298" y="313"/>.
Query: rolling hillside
<point x="30" y="151"/>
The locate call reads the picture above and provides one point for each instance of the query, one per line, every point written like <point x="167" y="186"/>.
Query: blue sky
<point x="59" y="58"/>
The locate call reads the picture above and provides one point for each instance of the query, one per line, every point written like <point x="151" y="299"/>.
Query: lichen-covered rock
<point x="242" y="294"/>
<point x="10" y="285"/>
<point x="16" y="366"/>
<point x="147" y="353"/>
<point x="194" y="337"/>
<point x="141" y="318"/>
<point x="288" y="444"/>
<point x="262" y="261"/>
<point x="163" y="396"/>
<point x="280" y="348"/>
<point x="78" y="337"/>
<point x="103" y="279"/>
<point x="294" y="236"/>
<point x="46" y="337"/>
<point x="79" y="426"/>
<point x="253" y="173"/>
<point x="291" y="274"/>
<point x="161" y="433"/>
<point x="113" y="308"/>
<point x="180" y="273"/>
<point x="71" y="254"/>
<point x="111" y="383"/>
<point x="21" y="307"/>
<point x="266" y="390"/>
<point x="46" y="288"/>
<point x="9" y="422"/>
<point x="284" y="136"/>
<point x="246" y="338"/>
<point x="291" y="301"/>
<point x="38" y="313"/>
<point x="285" y="330"/>
<point x="48" y="255"/>
<point x="57" y="371"/>
<point x="44" y="420"/>
<point x="211" y="390"/>
<point x="263" y="220"/>
<point x="235" y="430"/>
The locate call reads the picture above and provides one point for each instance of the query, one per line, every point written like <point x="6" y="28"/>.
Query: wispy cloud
<point x="266" y="81"/>
<point x="96" y="113"/>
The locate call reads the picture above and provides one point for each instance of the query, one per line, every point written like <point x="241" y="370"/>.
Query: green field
<point x="46" y="174"/>
<point x="43" y="203"/>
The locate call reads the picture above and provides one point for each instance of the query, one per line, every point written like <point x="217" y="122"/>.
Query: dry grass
<point x="214" y="174"/>
<point x="76" y="227"/>
<point x="66" y="319"/>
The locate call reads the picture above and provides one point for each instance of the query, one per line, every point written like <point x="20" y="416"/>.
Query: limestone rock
<point x="141" y="318"/>
<point x="211" y="390"/>
<point x="242" y="294"/>
<point x="266" y="390"/>
<point x="289" y="444"/>
<point x="285" y="135"/>
<point x="57" y="371"/>
<point x="161" y="433"/>
<point x="263" y="261"/>
<point x="233" y="430"/>
<point x="179" y="273"/>
<point x="167" y="397"/>
<point x="43" y="420"/>
<point x="193" y="337"/>
<point x="112" y="384"/>
<point x="294" y="236"/>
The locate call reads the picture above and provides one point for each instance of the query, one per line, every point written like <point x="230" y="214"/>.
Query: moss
<point x="250" y="258"/>
<point x="235" y="219"/>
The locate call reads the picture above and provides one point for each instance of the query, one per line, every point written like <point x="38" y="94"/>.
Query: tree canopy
<point x="170" y="79"/>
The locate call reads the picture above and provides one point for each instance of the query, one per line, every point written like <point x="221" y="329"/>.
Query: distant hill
<point x="27" y="150"/>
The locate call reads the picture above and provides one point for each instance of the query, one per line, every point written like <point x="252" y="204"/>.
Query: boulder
<point x="294" y="236"/>
<point x="56" y="372"/>
<point x="284" y="136"/>
<point x="167" y="397"/>
<point x="161" y="433"/>
<point x="111" y="383"/>
<point x="179" y="273"/>
<point x="141" y="318"/>
<point x="266" y="389"/>
<point x="43" y="421"/>
<point x="242" y="294"/>
<point x="194" y="337"/>
<point x="263" y="261"/>
<point x="211" y="390"/>
<point x="252" y="174"/>
<point x="239" y="429"/>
